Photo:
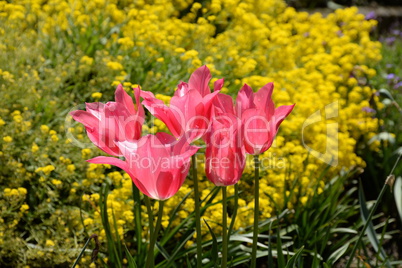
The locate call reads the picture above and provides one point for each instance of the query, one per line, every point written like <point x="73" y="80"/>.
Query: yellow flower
<point x="24" y="208"/>
<point x="86" y="152"/>
<point x="88" y="221"/>
<point x="17" y="118"/>
<point x="22" y="191"/>
<point x="70" y="168"/>
<point x="47" y="169"/>
<point x="44" y="129"/>
<point x="54" y="138"/>
<point x="86" y="60"/>
<point x="96" y="95"/>
<point x="49" y="243"/>
<point x="116" y="66"/>
<point x="56" y="182"/>
<point x="7" y="139"/>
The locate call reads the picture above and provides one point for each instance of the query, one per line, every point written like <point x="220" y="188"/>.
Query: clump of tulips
<point x="159" y="164"/>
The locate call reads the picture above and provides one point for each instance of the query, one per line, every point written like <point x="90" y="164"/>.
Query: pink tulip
<point x="189" y="109"/>
<point x="109" y="123"/>
<point x="225" y="153"/>
<point x="260" y="118"/>
<point x="157" y="164"/>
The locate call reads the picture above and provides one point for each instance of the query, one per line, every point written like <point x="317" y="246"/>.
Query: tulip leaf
<point x="398" y="195"/>
<point x="295" y="258"/>
<point x="130" y="259"/>
<point x="337" y="254"/>
<point x="270" y="258"/>
<point x="214" y="250"/>
<point x="281" y="258"/>
<point x="385" y="92"/>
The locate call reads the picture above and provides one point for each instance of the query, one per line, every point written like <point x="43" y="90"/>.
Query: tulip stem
<point x="224" y="229"/>
<point x="150" y="255"/>
<point x="137" y="215"/>
<point x="235" y="207"/>
<point x="256" y="210"/>
<point x="197" y="210"/>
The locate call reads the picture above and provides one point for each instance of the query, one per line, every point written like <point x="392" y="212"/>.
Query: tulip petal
<point x="281" y="113"/>
<point x="263" y="100"/>
<point x="257" y="130"/>
<point x="158" y="109"/>
<point x="87" y="119"/>
<point x="124" y="99"/>
<point x="112" y="161"/>
<point x="166" y="185"/>
<point x="95" y="108"/>
<point x="218" y="84"/>
<point x="223" y="104"/>
<point x="199" y="80"/>
<point x="165" y="138"/>
<point x="245" y="99"/>
<point x="182" y="89"/>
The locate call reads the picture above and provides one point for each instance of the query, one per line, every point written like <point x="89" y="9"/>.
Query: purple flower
<point x="398" y="85"/>
<point x="368" y="110"/>
<point x="371" y="15"/>
<point x="390" y="40"/>
<point x="391" y="76"/>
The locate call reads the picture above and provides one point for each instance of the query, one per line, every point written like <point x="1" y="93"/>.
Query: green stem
<point x="137" y="217"/>
<point x="150" y="255"/>
<point x="256" y="210"/>
<point x="83" y="250"/>
<point x="157" y="225"/>
<point x="373" y="209"/>
<point x="224" y="229"/>
<point x="197" y="210"/>
<point x="235" y="207"/>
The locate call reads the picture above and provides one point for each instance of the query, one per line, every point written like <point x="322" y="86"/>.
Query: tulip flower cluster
<point x="158" y="164"/>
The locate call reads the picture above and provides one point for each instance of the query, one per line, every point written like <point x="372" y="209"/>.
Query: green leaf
<point x="130" y="259"/>
<point x="372" y="235"/>
<point x="398" y="195"/>
<point x="385" y="92"/>
<point x="214" y="250"/>
<point x="281" y="258"/>
<point x="270" y="258"/>
<point x="337" y="254"/>
<point x="295" y="258"/>
<point x="113" y="250"/>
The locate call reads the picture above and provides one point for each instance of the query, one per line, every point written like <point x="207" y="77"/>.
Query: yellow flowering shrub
<point x="71" y="52"/>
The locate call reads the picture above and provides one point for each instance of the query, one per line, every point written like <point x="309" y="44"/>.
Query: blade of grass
<point x="372" y="235"/>
<point x="383" y="190"/>
<point x="82" y="252"/>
